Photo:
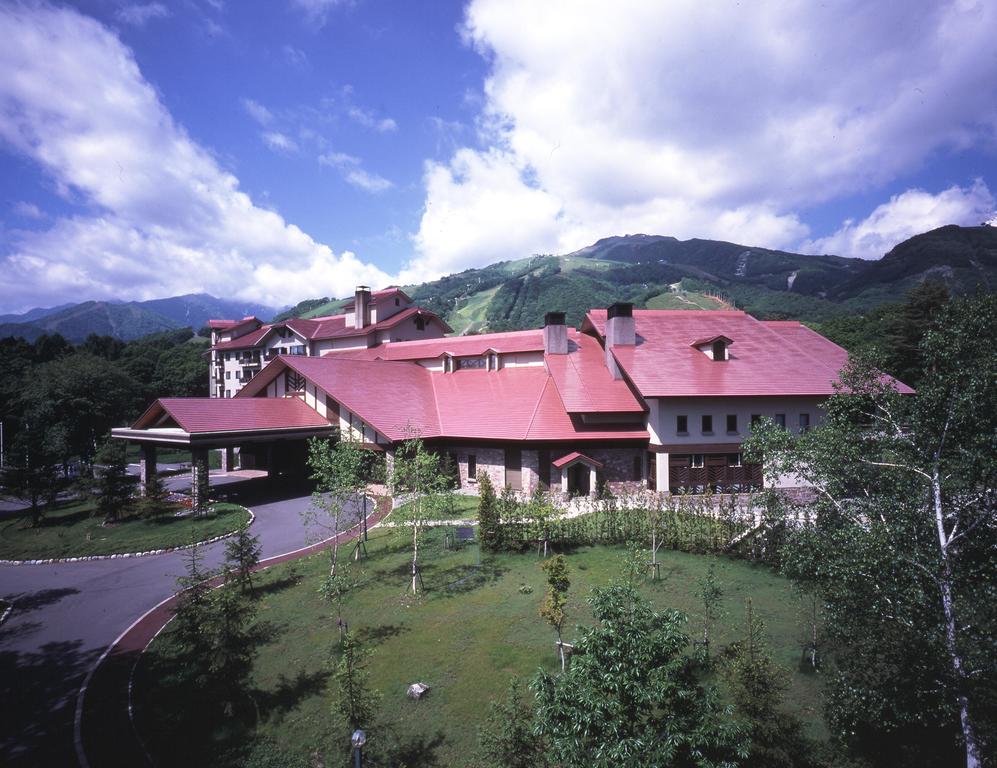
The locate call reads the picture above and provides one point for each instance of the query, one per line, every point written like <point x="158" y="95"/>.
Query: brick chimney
<point x="620" y="332"/>
<point x="555" y="334"/>
<point x="361" y="307"/>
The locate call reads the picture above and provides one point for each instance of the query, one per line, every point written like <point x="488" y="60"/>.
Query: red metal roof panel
<point x="204" y="414"/>
<point x="786" y="359"/>
<point x="585" y="384"/>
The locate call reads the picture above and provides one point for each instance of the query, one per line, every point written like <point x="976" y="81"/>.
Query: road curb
<point x="113" y="670"/>
<point x="147" y="553"/>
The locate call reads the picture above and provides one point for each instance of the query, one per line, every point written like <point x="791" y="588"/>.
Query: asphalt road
<point x="65" y="615"/>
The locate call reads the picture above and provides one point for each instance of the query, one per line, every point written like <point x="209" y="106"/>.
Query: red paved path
<point x="105" y="727"/>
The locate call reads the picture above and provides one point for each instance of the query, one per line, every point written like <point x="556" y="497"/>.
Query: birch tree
<point x="422" y="473"/>
<point x="904" y="543"/>
<point x="339" y="470"/>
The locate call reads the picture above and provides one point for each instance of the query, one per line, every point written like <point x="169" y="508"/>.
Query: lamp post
<point x="364" y="508"/>
<point x="358" y="739"/>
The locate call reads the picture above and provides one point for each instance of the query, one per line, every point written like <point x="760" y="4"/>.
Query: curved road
<point x="65" y="615"/>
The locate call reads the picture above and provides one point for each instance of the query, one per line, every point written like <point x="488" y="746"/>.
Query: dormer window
<point x="714" y="347"/>
<point x="420" y="323"/>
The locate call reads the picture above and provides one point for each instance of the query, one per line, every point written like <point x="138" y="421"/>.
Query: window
<point x="472" y="468"/>
<point x="698" y="461"/>
<point x="397" y="302"/>
<point x="228" y="374"/>
<point x="719" y="351"/>
<point x="733" y="459"/>
<point x="638" y="468"/>
<point x="420" y="323"/>
<point x="228" y="355"/>
<point x="682" y="425"/>
<point x="755" y="419"/>
<point x="780" y="419"/>
<point x="228" y="393"/>
<point x="731" y="423"/>
<point x="804" y="422"/>
<point x="707" y="424"/>
<point x="470" y="362"/>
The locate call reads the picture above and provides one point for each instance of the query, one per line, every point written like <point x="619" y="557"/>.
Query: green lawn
<point x="683" y="300"/>
<point x="459" y="508"/>
<point x="471" y="630"/>
<point x="71" y="531"/>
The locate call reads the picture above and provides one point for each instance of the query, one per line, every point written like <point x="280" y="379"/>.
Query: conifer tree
<point x="489" y="523"/>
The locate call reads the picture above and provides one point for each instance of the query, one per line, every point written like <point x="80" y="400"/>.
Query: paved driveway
<point x="65" y="615"/>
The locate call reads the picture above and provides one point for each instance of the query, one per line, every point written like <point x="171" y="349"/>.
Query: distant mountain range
<point x="653" y="271"/>
<point x="126" y="320"/>
<point x="660" y="272"/>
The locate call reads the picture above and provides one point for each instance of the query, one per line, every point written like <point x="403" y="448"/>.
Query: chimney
<point x="620" y="332"/>
<point x="361" y="307"/>
<point x="555" y="334"/>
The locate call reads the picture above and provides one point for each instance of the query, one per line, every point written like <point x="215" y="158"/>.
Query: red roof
<point x="585" y="384"/>
<point x="459" y="346"/>
<point x="205" y="414"/>
<point x="378" y="296"/>
<point x="784" y="358"/>
<point x="574" y="458"/>
<point x="331" y="327"/>
<point x="403" y="399"/>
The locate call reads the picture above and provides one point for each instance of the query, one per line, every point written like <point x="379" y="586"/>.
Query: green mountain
<point x="128" y="320"/>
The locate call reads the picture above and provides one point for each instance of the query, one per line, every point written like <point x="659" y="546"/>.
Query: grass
<point x="683" y="300"/>
<point x="71" y="531"/>
<point x="470" y="631"/>
<point x="461" y="508"/>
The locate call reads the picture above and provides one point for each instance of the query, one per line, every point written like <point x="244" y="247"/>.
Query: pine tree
<point x="242" y="554"/>
<point x="489" y="523"/>
<point x="354" y="700"/>
<point x="114" y="488"/>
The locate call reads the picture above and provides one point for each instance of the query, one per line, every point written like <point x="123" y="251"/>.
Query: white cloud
<point x="28" y="210"/>
<point x="696" y="119"/>
<point x="294" y="56"/>
<point x="138" y="15"/>
<point x="368" y="119"/>
<point x="160" y="216"/>
<point x="257" y="111"/>
<point x="351" y="169"/>
<point x="278" y="142"/>
<point x="316" y="11"/>
<point x="904" y="216"/>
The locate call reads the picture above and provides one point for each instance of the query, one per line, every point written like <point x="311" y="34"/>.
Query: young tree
<point x="489" y="522"/>
<point x="155" y="500"/>
<point x="420" y="472"/>
<point x="334" y="589"/>
<point x="230" y="640"/>
<point x="507" y="737"/>
<point x="354" y="700"/>
<point x="556" y="598"/>
<point x="113" y="487"/>
<point x="242" y="555"/>
<point x="630" y="696"/>
<point x="711" y="595"/>
<point x="339" y="470"/>
<point x="191" y="616"/>
<point x="902" y="551"/>
<point x="757" y="687"/>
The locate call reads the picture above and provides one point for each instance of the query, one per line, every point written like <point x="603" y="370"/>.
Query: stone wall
<point x="618" y="466"/>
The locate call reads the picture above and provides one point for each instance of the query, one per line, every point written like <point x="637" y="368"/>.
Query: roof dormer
<point x="714" y="347"/>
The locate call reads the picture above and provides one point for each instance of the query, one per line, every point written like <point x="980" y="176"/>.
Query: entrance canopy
<point x="577" y="458"/>
<point x="203" y="422"/>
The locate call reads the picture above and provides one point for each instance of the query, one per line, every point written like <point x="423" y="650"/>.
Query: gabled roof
<point x="459" y="346"/>
<point x="785" y="358"/>
<point x="197" y="415"/>
<point x="376" y="297"/>
<point x="711" y="339"/>
<point x="395" y="398"/>
<point x="331" y="327"/>
<point x="403" y="399"/>
<point x="574" y="458"/>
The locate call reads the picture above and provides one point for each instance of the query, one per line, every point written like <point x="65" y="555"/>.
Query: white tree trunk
<point x="945" y="584"/>
<point x="415" y="556"/>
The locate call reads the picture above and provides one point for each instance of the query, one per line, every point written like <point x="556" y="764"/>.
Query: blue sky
<point x="287" y="149"/>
